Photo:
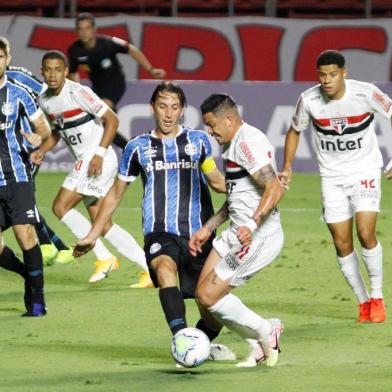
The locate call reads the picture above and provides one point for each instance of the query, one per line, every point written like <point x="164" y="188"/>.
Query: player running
<point x="342" y="114"/>
<point x="87" y="125"/>
<point x="254" y="237"/>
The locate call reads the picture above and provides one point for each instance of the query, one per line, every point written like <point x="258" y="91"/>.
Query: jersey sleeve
<point x="129" y="167"/>
<point x="253" y="152"/>
<point x="30" y="105"/>
<point x="301" y="118"/>
<point x="73" y="64"/>
<point x="90" y="102"/>
<point x="119" y="45"/>
<point x="206" y="148"/>
<point x="380" y="102"/>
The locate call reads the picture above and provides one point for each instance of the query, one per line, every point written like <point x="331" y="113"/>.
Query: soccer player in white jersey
<point x="254" y="237"/>
<point x="342" y="113"/>
<point x="87" y="125"/>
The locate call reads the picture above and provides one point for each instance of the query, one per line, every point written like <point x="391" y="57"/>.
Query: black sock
<point x="35" y="277"/>
<point x="174" y="308"/>
<point x="10" y="262"/>
<point x="120" y="141"/>
<point x="42" y="233"/>
<point x="56" y="240"/>
<point x="212" y="334"/>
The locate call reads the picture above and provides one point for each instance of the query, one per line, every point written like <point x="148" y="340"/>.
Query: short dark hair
<point x="169" y="87"/>
<point x="55" y="55"/>
<point x="5" y="45"/>
<point x="329" y="57"/>
<point x="217" y="102"/>
<point x="84" y="16"/>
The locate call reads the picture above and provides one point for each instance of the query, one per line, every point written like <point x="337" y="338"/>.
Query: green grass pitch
<point x="108" y="337"/>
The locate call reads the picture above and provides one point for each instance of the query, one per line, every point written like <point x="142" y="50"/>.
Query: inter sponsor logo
<point x="160" y="165"/>
<point x="340" y="145"/>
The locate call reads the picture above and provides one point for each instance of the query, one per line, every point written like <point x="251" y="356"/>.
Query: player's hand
<point x="388" y="170"/>
<point x="34" y="139"/>
<point x="95" y="166"/>
<point x="198" y="239"/>
<point x="244" y="235"/>
<point x="82" y="247"/>
<point x="37" y="157"/>
<point x="158" y="73"/>
<point x="285" y="178"/>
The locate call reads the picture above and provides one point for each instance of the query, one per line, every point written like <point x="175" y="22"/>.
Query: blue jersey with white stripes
<point x="176" y="195"/>
<point x="16" y="106"/>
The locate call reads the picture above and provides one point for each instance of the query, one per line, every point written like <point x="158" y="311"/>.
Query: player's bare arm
<point x="106" y="210"/>
<point x="110" y="123"/>
<point x="388" y="170"/>
<point x="216" y="181"/>
<point x="199" y="238"/>
<point x="290" y="148"/>
<point x="42" y="127"/>
<point x="137" y="55"/>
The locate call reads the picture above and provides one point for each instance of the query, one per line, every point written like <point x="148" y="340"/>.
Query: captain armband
<point x="208" y="165"/>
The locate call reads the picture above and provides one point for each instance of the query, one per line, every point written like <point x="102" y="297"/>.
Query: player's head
<point x="85" y="25"/>
<point x="54" y="69"/>
<point x="5" y="56"/>
<point x="220" y="114"/>
<point x="168" y="102"/>
<point x="332" y="72"/>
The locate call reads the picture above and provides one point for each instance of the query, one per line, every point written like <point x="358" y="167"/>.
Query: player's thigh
<point x="211" y="261"/>
<point x="25" y="235"/>
<point x="65" y="200"/>
<point x="336" y="203"/>
<point x="342" y="235"/>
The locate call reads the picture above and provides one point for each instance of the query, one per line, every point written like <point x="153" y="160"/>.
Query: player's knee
<point x="205" y="297"/>
<point x="58" y="209"/>
<point x="165" y="270"/>
<point x="367" y="238"/>
<point x="343" y="246"/>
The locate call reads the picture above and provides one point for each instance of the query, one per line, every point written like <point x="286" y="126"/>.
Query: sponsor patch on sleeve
<point x="382" y="100"/>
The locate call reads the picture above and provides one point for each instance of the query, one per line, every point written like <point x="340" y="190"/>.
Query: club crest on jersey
<point x="190" y="149"/>
<point x="339" y="124"/>
<point x="7" y="109"/>
<point x="58" y="119"/>
<point x="154" y="248"/>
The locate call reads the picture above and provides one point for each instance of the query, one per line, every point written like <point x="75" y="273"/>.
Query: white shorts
<point x="78" y="181"/>
<point x="239" y="263"/>
<point x="359" y="193"/>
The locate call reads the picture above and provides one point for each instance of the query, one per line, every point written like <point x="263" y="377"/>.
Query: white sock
<point x="80" y="226"/>
<point x="373" y="262"/>
<point x="349" y="265"/>
<point x="126" y="245"/>
<point x="233" y="313"/>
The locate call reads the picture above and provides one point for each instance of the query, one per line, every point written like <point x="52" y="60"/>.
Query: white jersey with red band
<point x="76" y="114"/>
<point x="247" y="153"/>
<point x="344" y="134"/>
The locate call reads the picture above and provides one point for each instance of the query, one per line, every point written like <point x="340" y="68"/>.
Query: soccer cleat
<point x="49" y="252"/>
<point x="220" y="352"/>
<point x="103" y="267"/>
<point x="64" y="257"/>
<point x="257" y="355"/>
<point x="364" y="312"/>
<point x="36" y="310"/>
<point x="378" y="313"/>
<point x="144" y="282"/>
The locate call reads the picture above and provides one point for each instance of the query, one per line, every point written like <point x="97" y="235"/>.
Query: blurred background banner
<point x="235" y="49"/>
<point x="266" y="105"/>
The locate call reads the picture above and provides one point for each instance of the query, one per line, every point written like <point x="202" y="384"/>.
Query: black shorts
<point x="17" y="205"/>
<point x="113" y="91"/>
<point x="189" y="267"/>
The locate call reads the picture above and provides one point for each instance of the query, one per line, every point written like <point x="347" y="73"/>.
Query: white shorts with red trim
<point x="239" y="263"/>
<point x="78" y="181"/>
<point x="358" y="193"/>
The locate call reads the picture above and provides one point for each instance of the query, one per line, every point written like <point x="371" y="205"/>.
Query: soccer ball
<point x="190" y="347"/>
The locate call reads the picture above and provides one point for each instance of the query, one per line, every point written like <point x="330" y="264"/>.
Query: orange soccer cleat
<point x="364" y="312"/>
<point x="378" y="313"/>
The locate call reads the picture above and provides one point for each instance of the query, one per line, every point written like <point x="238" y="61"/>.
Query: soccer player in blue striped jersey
<point x="17" y="201"/>
<point x="52" y="247"/>
<point x="175" y="164"/>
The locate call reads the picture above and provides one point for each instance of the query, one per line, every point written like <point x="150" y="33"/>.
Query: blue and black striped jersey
<point x="176" y="195"/>
<point x="17" y="105"/>
<point x="33" y="85"/>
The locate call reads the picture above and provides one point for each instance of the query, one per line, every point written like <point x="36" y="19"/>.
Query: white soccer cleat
<point x="102" y="269"/>
<point x="219" y="352"/>
<point x="269" y="355"/>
